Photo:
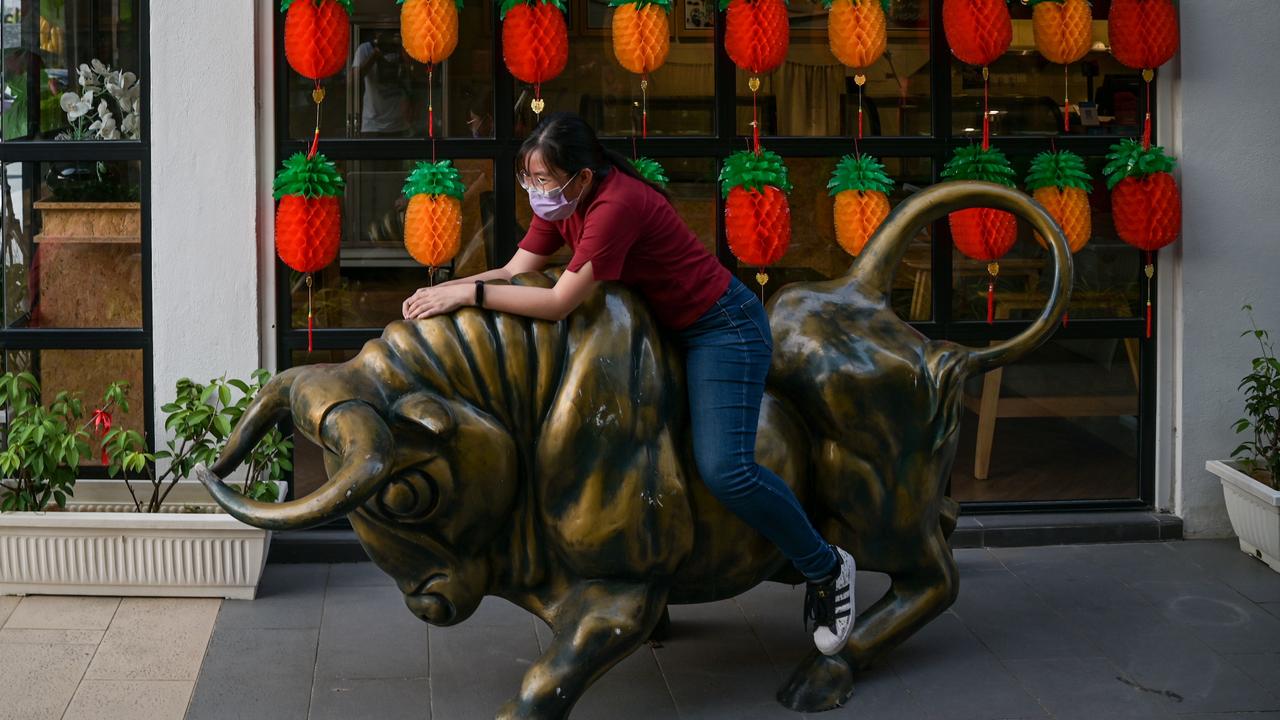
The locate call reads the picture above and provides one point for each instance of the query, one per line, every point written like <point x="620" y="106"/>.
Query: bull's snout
<point x="432" y="607"/>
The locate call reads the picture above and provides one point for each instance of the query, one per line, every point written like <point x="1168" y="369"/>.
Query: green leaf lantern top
<point x="862" y="173"/>
<point x="316" y="177"/>
<point x="640" y="4"/>
<point x="883" y="3"/>
<point x="435" y="178"/>
<point x="1061" y="170"/>
<point x="650" y="170"/>
<point x="974" y="163"/>
<point x="508" y="4"/>
<point x="284" y="4"/>
<point x="1129" y="159"/>
<point x="746" y="169"/>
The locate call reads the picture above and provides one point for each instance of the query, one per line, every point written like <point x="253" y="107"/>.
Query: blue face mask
<point x="551" y="205"/>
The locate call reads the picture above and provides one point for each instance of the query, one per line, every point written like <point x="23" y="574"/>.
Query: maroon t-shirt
<point x="629" y="232"/>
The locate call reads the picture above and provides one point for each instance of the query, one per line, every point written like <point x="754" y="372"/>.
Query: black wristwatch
<point x="480" y="293"/>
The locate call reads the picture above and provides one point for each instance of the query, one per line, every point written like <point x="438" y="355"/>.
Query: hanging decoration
<point x="429" y="32"/>
<point x="1145" y="202"/>
<point x="983" y="234"/>
<point x="535" y="43"/>
<point x="979" y="32"/>
<point x="650" y="170"/>
<point x="757" y="34"/>
<point x="641" y="32"/>
<point x="1060" y="182"/>
<point x="317" y="34"/>
<point x="856" y="31"/>
<point x="1144" y="36"/>
<point x="1063" y="31"/>
<point x="757" y="215"/>
<point x="308" y="218"/>
<point x="861" y="188"/>
<point x="433" y="221"/>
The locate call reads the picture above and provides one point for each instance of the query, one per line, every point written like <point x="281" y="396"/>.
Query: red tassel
<point x="986" y="111"/>
<point x="1065" y="316"/>
<point x="315" y="144"/>
<point x="310" y="331"/>
<point x="1066" y="100"/>
<point x="644" y="124"/>
<point x="991" y="302"/>
<point x="859" y="122"/>
<point x="1146" y="122"/>
<point x="755" y="124"/>
<point x="1148" y="319"/>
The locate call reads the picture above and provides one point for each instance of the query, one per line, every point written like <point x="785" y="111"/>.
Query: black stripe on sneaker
<point x="843" y="614"/>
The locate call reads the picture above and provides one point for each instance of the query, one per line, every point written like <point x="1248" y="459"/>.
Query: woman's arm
<point x="553" y="303"/>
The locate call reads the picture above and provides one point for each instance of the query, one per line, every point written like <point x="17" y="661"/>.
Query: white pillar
<point x="204" y="192"/>
<point x="1228" y="99"/>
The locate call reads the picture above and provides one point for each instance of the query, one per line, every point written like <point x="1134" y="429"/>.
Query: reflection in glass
<point x="61" y="62"/>
<point x="374" y="273"/>
<point x="383" y="92"/>
<point x="71" y="245"/>
<point x="1074" y="399"/>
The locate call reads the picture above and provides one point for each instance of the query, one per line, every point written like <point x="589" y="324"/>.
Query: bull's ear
<point x="427" y="410"/>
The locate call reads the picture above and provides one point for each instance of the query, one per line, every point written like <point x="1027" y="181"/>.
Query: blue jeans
<point x="728" y="351"/>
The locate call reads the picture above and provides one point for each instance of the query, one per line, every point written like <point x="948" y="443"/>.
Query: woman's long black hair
<point x="568" y="143"/>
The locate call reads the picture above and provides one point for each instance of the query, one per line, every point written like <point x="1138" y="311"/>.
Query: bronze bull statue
<point x="548" y="463"/>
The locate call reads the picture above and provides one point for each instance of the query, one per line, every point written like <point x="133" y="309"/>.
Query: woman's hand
<point x="439" y="300"/>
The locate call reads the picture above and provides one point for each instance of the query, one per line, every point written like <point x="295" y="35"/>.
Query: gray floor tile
<point x="1086" y="689"/>
<point x="1011" y="619"/>
<point x="953" y="676"/>
<point x="978" y="560"/>
<point x="1273" y="608"/>
<point x="361" y="573"/>
<point x="367" y="632"/>
<point x="1230" y="716"/>
<point x="634" y="688"/>
<point x="251" y="674"/>
<point x="1220" y="616"/>
<point x="290" y="596"/>
<point x="478" y="665"/>
<point x="372" y="699"/>
<point x="1223" y="560"/>
<point x="1186" y="675"/>
<point x="1263" y="668"/>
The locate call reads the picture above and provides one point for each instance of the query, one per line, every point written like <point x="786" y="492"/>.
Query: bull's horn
<point x="360" y="437"/>
<point x="269" y="406"/>
<point x="873" y="270"/>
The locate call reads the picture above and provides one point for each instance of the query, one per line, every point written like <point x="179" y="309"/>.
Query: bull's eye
<point x="410" y="495"/>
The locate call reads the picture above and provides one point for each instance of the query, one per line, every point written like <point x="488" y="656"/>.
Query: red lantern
<point x="535" y="42"/>
<point x="984" y="234"/>
<point x="1143" y="33"/>
<point x="756" y="34"/>
<point x="1145" y="202"/>
<point x="309" y="217"/>
<point x="757" y="215"/>
<point x="978" y="31"/>
<point x="316" y="36"/>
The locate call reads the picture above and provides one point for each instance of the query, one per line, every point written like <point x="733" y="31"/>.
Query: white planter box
<point x="1254" y="509"/>
<point x="99" y="546"/>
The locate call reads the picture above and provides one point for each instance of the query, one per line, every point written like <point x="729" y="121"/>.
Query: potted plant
<point x="146" y="530"/>
<point x="95" y="203"/>
<point x="1251" y="482"/>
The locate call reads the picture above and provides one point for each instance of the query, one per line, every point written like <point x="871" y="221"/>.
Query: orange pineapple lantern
<point x="1060" y="182"/>
<point x="1143" y="33"/>
<point x="1063" y="29"/>
<point x="535" y="42"/>
<point x="861" y="188"/>
<point x="757" y="216"/>
<point x="641" y="32"/>
<point x="856" y="30"/>
<point x="316" y="36"/>
<point x="309" y="217"/>
<point x="433" y="222"/>
<point x="978" y="31"/>
<point x="756" y="34"/>
<point x="983" y="234"/>
<point x="429" y="29"/>
<point x="1145" y="202"/>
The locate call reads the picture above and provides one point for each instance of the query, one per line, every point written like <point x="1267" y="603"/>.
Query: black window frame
<point x="938" y="148"/>
<point x="34" y="152"/>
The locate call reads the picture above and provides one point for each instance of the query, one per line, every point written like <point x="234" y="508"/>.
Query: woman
<point x="622" y="228"/>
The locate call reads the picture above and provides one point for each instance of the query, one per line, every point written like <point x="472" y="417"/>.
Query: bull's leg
<point x="598" y="626"/>
<point x="913" y="599"/>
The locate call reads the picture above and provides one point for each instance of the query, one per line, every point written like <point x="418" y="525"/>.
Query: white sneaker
<point x="829" y="606"/>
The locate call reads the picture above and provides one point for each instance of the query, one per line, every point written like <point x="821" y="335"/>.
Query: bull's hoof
<point x="820" y="683"/>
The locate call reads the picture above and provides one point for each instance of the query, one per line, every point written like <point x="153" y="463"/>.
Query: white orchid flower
<point x="98" y="67"/>
<point x="76" y="106"/>
<point x="130" y="126"/>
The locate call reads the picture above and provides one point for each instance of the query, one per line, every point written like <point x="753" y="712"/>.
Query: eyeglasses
<point x="532" y="186"/>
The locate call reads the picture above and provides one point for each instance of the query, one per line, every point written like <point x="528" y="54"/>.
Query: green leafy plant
<point x="42" y="445"/>
<point x="1260" y="457"/>
<point x="200" y="418"/>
